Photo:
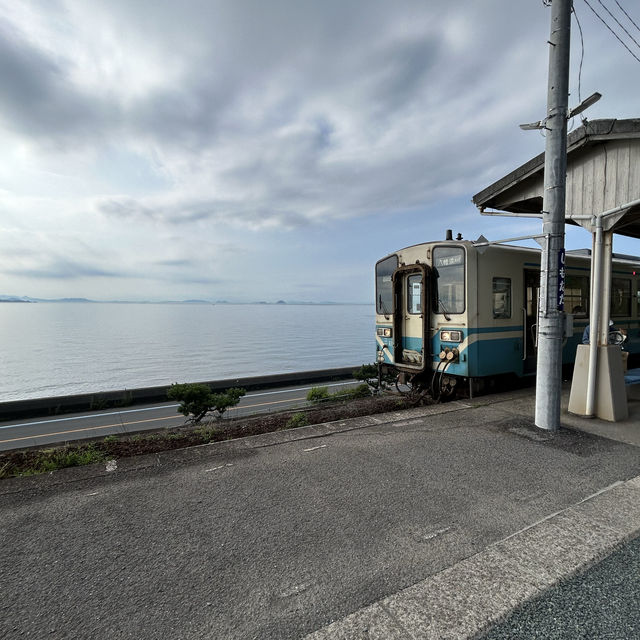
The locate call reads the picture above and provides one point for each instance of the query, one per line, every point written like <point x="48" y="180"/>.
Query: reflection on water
<point x="49" y="349"/>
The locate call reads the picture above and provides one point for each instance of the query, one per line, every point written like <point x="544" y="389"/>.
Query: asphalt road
<point x="603" y="602"/>
<point x="40" y="431"/>
<point x="274" y="537"/>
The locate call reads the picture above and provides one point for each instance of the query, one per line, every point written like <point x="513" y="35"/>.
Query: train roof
<point x="579" y="253"/>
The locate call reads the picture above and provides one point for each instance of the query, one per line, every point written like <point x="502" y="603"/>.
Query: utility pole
<point x="551" y="302"/>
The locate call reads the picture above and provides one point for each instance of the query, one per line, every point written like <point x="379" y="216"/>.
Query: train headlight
<point x="385" y="332"/>
<point x="451" y="336"/>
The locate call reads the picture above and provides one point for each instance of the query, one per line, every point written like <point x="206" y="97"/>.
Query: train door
<point x="530" y="319"/>
<point x="411" y="319"/>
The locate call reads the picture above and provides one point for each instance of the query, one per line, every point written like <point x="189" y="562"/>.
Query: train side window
<point x="384" y="286"/>
<point x="502" y="297"/>
<point x="449" y="271"/>
<point x="414" y="294"/>
<point x="576" y="295"/>
<point x="620" y="297"/>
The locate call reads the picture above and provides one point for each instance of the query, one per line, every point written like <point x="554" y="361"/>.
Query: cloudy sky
<point x="265" y="150"/>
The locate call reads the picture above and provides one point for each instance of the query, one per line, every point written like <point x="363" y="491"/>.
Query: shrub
<point x="361" y="391"/>
<point x="297" y="420"/>
<point x="368" y="373"/>
<point x="318" y="394"/>
<point x="208" y="433"/>
<point x="197" y="399"/>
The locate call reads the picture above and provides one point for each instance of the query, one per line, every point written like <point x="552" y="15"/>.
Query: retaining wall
<point x="35" y="407"/>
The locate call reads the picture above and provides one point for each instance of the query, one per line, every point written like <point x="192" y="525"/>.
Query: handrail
<point x="524" y="334"/>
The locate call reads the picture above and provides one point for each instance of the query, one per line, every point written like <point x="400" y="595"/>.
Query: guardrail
<point x="31" y="408"/>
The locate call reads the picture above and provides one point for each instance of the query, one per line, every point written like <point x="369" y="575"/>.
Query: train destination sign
<point x="449" y="261"/>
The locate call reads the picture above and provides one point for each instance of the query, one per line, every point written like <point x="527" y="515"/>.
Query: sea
<point x="51" y="349"/>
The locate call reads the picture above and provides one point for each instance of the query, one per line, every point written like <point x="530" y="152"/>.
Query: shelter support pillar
<point x="610" y="402"/>
<point x="597" y="387"/>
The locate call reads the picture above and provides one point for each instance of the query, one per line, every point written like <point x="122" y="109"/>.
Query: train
<point x="458" y="315"/>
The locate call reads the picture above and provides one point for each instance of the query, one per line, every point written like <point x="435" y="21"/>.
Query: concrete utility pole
<point x="551" y="306"/>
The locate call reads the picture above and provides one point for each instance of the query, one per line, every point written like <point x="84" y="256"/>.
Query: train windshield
<point x="384" y="286"/>
<point x="449" y="265"/>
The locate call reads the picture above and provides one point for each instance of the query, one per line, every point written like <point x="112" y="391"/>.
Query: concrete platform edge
<point x="466" y="599"/>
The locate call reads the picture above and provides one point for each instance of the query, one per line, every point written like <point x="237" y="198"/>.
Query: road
<point x="41" y="431"/>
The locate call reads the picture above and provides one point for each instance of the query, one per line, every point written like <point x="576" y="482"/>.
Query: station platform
<point x="431" y="522"/>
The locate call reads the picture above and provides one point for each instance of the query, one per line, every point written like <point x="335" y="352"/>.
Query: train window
<point x="449" y="266"/>
<point x="620" y="297"/>
<point x="384" y="286"/>
<point x="502" y="297"/>
<point x="576" y="295"/>
<point x="414" y="294"/>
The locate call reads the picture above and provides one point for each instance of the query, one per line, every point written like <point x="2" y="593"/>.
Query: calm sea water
<point x="51" y="349"/>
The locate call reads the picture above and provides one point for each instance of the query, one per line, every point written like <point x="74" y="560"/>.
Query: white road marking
<point x="322" y="446"/>
<point x="222" y="466"/>
<point x="435" y="534"/>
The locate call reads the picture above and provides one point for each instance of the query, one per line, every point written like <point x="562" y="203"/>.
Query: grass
<point x="55" y="458"/>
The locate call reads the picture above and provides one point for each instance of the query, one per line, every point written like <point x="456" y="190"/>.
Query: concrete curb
<point x="466" y="599"/>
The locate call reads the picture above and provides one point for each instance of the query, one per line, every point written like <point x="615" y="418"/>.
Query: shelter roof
<point x="603" y="176"/>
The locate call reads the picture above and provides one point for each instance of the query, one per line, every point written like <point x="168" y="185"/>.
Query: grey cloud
<point x="261" y="100"/>
<point x="37" y="96"/>
<point x="186" y="211"/>
<point x="124" y="208"/>
<point x="175" y="263"/>
<point x="64" y="269"/>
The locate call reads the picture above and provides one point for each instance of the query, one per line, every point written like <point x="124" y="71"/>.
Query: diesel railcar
<point x="451" y="314"/>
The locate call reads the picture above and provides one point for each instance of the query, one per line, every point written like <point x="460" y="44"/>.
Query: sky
<point x="245" y="150"/>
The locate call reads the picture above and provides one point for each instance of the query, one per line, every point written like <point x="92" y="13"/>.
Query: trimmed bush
<point x="197" y="400"/>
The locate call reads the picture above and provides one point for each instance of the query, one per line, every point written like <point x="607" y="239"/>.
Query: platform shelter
<point x="603" y="197"/>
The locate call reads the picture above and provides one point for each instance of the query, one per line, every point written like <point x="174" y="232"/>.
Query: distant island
<point x="9" y="298"/>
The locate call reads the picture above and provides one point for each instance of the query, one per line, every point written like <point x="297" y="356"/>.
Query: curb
<point x="466" y="599"/>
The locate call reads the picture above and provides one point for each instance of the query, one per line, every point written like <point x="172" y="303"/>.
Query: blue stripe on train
<point x="502" y="355"/>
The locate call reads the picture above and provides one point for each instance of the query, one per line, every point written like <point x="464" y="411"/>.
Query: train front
<point x="421" y="315"/>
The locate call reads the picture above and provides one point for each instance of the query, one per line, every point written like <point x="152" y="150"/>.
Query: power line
<point x="618" y="22"/>
<point x="610" y="29"/>
<point x="575" y="15"/>
<point x="628" y="16"/>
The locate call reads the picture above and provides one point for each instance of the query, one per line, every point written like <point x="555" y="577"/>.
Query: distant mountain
<point x="4" y="298"/>
<point x="9" y="298"/>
